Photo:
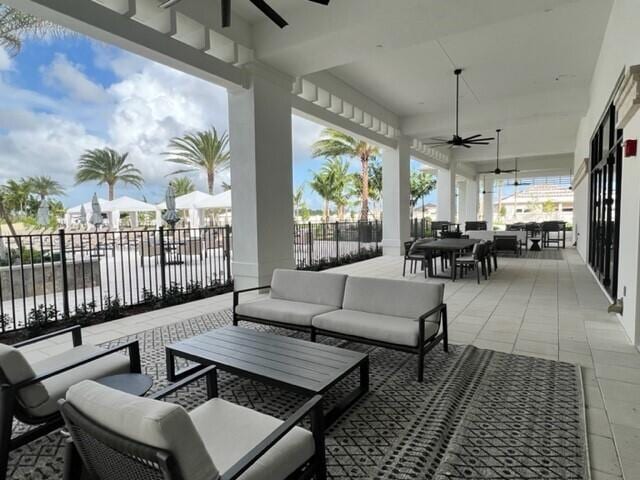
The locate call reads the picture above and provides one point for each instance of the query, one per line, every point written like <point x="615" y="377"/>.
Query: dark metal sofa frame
<point x="94" y="449"/>
<point x="420" y="350"/>
<point x="10" y="407"/>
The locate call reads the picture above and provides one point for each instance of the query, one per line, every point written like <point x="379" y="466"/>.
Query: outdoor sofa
<point x="397" y="314"/>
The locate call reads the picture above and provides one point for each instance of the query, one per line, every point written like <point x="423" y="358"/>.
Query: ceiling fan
<point x="517" y="183"/>
<point x="261" y="5"/>
<point x="484" y="192"/>
<point x="457" y="140"/>
<point x="497" y="170"/>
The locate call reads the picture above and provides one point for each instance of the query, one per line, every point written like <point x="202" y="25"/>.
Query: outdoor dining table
<point x="448" y="246"/>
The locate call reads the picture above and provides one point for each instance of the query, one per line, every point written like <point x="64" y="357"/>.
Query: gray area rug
<point x="478" y="414"/>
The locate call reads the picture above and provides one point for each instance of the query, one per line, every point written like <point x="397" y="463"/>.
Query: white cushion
<point x="384" y="328"/>
<point x="161" y="425"/>
<point x="57" y="386"/>
<point x="17" y="369"/>
<point x="230" y="431"/>
<point x="308" y="287"/>
<point x="285" y="311"/>
<point x="399" y="298"/>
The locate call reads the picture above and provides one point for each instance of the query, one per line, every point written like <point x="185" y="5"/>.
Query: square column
<point x="396" y="198"/>
<point x="468" y="201"/>
<point x="487" y="201"/>
<point x="262" y="180"/>
<point x="446" y="189"/>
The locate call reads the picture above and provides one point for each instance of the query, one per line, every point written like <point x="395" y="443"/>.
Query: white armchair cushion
<point x="57" y="386"/>
<point x="17" y="369"/>
<point x="285" y="311"/>
<point x="308" y="287"/>
<point x="230" y="431"/>
<point x="399" y="298"/>
<point x="372" y="326"/>
<point x="162" y="425"/>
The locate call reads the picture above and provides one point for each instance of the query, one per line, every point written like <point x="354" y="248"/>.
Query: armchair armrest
<point x="75" y="331"/>
<point x="437" y="309"/>
<point x="313" y="407"/>
<point x="236" y="293"/>
<point x="159" y="395"/>
<point x="134" y="356"/>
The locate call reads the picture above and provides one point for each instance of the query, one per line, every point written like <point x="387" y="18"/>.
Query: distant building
<point x="430" y="210"/>
<point x="536" y="203"/>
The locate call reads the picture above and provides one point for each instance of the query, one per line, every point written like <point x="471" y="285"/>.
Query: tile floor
<point x="543" y="308"/>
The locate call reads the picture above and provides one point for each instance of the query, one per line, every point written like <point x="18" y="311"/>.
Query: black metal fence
<point x="421" y="228"/>
<point x="322" y="245"/>
<point x="47" y="277"/>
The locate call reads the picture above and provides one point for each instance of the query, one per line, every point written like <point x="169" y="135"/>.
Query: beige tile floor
<point x="542" y="308"/>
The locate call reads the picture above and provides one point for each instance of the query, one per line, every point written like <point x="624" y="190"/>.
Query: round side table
<point x="133" y="383"/>
<point x="535" y="245"/>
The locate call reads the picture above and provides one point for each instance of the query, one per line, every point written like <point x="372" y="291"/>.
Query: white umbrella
<point x="96" y="215"/>
<point x="171" y="216"/>
<point x="42" y="217"/>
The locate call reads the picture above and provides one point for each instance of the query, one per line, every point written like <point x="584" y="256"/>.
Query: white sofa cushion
<point x="308" y="287"/>
<point x="285" y="311"/>
<point x="162" y="425"/>
<point x="230" y="431"/>
<point x="384" y="328"/>
<point x="57" y="386"/>
<point x="17" y="369"/>
<point x="399" y="298"/>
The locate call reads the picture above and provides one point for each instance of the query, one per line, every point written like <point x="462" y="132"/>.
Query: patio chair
<point x="413" y="257"/>
<point x="29" y="392"/>
<point x="475" y="225"/>
<point x="507" y="243"/>
<point x="117" y="436"/>
<point x="477" y="261"/>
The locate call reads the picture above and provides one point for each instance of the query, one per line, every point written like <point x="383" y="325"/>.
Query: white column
<point x="446" y="189"/>
<point x="395" y="197"/>
<point x="261" y="175"/>
<point x="468" y="201"/>
<point x="487" y="201"/>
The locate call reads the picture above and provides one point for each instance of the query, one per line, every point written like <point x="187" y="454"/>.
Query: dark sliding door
<point x="604" y="201"/>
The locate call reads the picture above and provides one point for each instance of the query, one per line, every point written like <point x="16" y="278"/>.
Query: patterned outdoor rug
<point x="479" y="414"/>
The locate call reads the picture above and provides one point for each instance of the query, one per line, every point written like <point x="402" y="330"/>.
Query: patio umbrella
<point x="83" y="216"/>
<point x="42" y="216"/>
<point x="170" y="215"/>
<point x="96" y="214"/>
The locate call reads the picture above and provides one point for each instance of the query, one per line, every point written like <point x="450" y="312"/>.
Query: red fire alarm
<point x="630" y="148"/>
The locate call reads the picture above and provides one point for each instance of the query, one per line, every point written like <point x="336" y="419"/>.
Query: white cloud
<point x="63" y="74"/>
<point x="5" y="60"/>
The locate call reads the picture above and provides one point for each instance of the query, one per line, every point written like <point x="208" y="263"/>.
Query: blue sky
<point x="60" y="97"/>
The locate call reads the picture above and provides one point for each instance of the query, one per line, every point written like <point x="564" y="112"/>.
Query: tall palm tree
<point x="298" y="200"/>
<point x="16" y="194"/>
<point x="203" y="150"/>
<point x="334" y="143"/>
<point x="322" y="184"/>
<point x="421" y="184"/>
<point x="15" y="26"/>
<point x="45" y="186"/>
<point x="105" y="165"/>
<point x="337" y="170"/>
<point x="182" y="186"/>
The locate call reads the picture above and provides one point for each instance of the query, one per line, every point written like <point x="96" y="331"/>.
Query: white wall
<point x="620" y="48"/>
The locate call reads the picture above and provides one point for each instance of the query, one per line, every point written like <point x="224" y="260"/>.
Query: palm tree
<point x="322" y="184"/>
<point x="16" y="195"/>
<point x="15" y="26"/>
<point x="45" y="186"/>
<point x="337" y="171"/>
<point x="335" y="143"/>
<point x="421" y="184"/>
<point x="298" y="200"/>
<point x="203" y="150"/>
<point x="182" y="186"/>
<point x="105" y="165"/>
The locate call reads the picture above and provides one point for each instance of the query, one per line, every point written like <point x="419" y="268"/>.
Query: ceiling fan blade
<point x="509" y="171"/>
<point x="270" y="12"/>
<point x="321" y="2"/>
<point x="169" y="3"/>
<point x="485" y="139"/>
<point x="466" y="146"/>
<point x="478" y="143"/>
<point x="472" y="137"/>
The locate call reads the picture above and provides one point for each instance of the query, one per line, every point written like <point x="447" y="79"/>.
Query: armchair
<point x="30" y="392"/>
<point x="117" y="436"/>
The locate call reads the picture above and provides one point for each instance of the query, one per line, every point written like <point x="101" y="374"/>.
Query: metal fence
<point x="318" y="245"/>
<point x="420" y="228"/>
<point x="51" y="276"/>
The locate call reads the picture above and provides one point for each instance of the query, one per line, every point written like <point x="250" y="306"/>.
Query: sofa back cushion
<point x="16" y="368"/>
<point x="157" y="424"/>
<point x="308" y="287"/>
<point x="399" y="298"/>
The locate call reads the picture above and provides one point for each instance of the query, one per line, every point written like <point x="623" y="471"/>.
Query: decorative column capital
<point x="627" y="98"/>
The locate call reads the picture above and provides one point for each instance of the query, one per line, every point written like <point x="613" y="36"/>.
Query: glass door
<point x="604" y="206"/>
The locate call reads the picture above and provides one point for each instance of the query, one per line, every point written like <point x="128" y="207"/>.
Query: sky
<point x="60" y="97"/>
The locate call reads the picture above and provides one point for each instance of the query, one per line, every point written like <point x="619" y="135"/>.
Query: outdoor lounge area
<point x="418" y="256"/>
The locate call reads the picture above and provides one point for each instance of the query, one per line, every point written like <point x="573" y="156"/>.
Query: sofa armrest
<point x="312" y="407"/>
<point x="134" y="357"/>
<point x="433" y="311"/>
<point x="236" y="294"/>
<point x="75" y="331"/>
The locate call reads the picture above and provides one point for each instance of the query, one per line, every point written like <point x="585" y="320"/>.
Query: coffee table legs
<point x="347" y="402"/>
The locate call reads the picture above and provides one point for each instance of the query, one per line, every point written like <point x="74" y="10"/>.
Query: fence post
<point x="337" y="235"/>
<point x="359" y="224"/>
<point x="163" y="262"/>
<point x="310" y="242"/>
<point x="227" y="241"/>
<point x="65" y="278"/>
<point x="375" y="233"/>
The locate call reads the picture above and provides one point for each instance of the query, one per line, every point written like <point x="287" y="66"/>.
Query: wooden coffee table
<point x="290" y="363"/>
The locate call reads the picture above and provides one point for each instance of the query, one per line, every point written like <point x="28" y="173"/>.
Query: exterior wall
<point x="620" y="49"/>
